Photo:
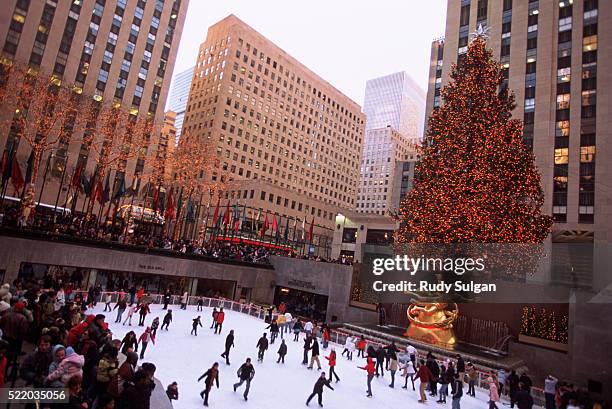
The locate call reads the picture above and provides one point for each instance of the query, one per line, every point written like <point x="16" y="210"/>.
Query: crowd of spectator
<point x="150" y="236"/>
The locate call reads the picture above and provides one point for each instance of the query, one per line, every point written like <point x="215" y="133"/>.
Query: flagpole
<point x="110" y="197"/>
<point x="59" y="191"/>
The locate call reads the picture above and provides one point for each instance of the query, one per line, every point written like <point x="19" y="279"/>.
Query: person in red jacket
<point x="219" y="321"/>
<point x="76" y="332"/>
<point x="144" y="341"/>
<point x="140" y="294"/>
<point x="326" y="337"/>
<point x="371" y="369"/>
<point x="425" y="376"/>
<point x="361" y="346"/>
<point x="144" y="310"/>
<point x="332" y="365"/>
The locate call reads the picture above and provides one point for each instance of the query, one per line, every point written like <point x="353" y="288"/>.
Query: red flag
<point x="265" y="226"/>
<point x="310" y="229"/>
<point x="274" y="224"/>
<point x="99" y="192"/>
<point x="216" y="215"/>
<point x="16" y="175"/>
<point x="226" y="217"/>
<point x="76" y="177"/>
<point x="170" y="210"/>
<point x="156" y="198"/>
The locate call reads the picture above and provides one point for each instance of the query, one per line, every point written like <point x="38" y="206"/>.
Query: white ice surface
<point x="182" y="357"/>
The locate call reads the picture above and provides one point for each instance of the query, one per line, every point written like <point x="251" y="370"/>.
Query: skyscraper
<point x="119" y="52"/>
<point x="179" y="94"/>
<point x="394" y="106"/>
<point x="290" y="140"/>
<point x="554" y="57"/>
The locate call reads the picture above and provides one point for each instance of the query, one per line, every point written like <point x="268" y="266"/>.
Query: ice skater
<point x="297" y="328"/>
<point x="184" y="300"/>
<point x="245" y="373"/>
<point x="144" y="341"/>
<point x="307" y="343"/>
<point x="131" y="312"/>
<point x="154" y="326"/>
<point x="120" y="307"/>
<point x="167" y="298"/>
<point x="314" y="354"/>
<point x="262" y="346"/>
<point x="214" y="317"/>
<point x="332" y="365"/>
<point x="229" y="343"/>
<point x="167" y="320"/>
<point x="107" y="302"/>
<point x="273" y="327"/>
<point x="143" y="311"/>
<point x="194" y="325"/>
<point x="212" y="376"/>
<point x="349" y="347"/>
<point x="409" y="372"/>
<point x="361" y="347"/>
<point x="318" y="389"/>
<point x="200" y="303"/>
<point x="282" y="351"/>
<point x="219" y="321"/>
<point x="371" y="370"/>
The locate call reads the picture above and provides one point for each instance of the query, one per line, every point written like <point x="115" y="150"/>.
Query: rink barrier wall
<point x="337" y="336"/>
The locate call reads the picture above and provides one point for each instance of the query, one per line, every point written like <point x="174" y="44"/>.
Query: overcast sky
<point x="345" y="42"/>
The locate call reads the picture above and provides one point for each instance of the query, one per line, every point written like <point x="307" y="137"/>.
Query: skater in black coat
<point x="318" y="389"/>
<point x="245" y="373"/>
<point x="167" y="320"/>
<point x="212" y="376"/>
<point x="282" y="351"/>
<point x="297" y="328"/>
<point x="194" y="325"/>
<point x="229" y="342"/>
<point x="262" y="345"/>
<point x="314" y="357"/>
<point x="380" y="361"/>
<point x="307" y="343"/>
<point x="273" y="327"/>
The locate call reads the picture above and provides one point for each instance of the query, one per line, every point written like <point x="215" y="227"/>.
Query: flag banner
<point x="119" y="189"/>
<point x="310" y="229"/>
<point x="28" y="176"/>
<point x="286" y="233"/>
<point x="170" y="210"/>
<point x="216" y="214"/>
<point x="76" y="176"/>
<point x="16" y="176"/>
<point x="226" y="216"/>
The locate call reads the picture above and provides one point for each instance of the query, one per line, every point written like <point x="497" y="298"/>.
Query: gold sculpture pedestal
<point x="433" y="323"/>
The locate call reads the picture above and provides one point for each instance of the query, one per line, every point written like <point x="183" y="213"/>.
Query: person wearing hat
<point x="5" y="293"/>
<point x="14" y="326"/>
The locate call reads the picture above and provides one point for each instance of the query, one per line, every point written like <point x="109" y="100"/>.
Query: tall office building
<point x="556" y="57"/>
<point x="119" y="52"/>
<point x="291" y="141"/>
<point x="394" y="106"/>
<point x="179" y="93"/>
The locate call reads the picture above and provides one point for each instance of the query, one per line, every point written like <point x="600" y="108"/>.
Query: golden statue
<point x="433" y="323"/>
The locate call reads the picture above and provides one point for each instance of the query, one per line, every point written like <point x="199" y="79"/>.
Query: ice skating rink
<point x="182" y="357"/>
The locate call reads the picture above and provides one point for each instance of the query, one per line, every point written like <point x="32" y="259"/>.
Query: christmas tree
<point x="476" y="181"/>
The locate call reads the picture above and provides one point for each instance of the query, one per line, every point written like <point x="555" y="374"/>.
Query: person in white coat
<point x="409" y="372"/>
<point x="350" y="345"/>
<point x="308" y="328"/>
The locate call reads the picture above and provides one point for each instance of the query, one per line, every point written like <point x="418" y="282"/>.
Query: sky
<point x="345" y="42"/>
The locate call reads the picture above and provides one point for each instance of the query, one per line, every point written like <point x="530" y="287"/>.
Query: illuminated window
<point x="561" y="156"/>
<point x="589" y="43"/>
<point x="587" y="154"/>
